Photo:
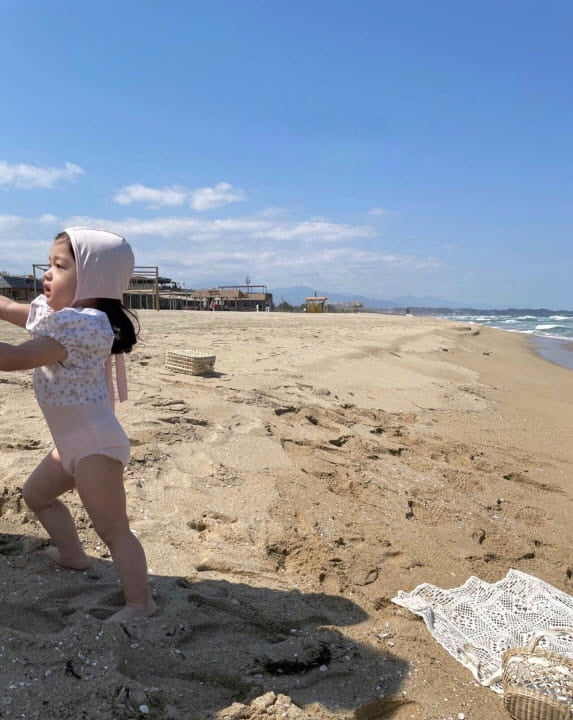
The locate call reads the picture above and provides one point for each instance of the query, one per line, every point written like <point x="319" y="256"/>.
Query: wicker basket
<point x="538" y="683"/>
<point x="191" y="362"/>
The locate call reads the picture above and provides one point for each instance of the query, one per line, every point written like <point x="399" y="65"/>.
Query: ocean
<point x="551" y="331"/>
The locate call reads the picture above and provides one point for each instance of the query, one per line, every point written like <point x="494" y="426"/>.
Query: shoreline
<point x="556" y="350"/>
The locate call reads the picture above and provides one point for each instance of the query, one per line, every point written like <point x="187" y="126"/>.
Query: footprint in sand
<point x="522" y="479"/>
<point x="11" y="500"/>
<point x="29" y="620"/>
<point x="242" y="425"/>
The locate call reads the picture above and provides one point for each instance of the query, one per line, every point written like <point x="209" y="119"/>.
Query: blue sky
<point x="379" y="148"/>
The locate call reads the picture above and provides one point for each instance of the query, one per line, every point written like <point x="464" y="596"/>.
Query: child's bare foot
<point x="75" y="563"/>
<point x="133" y="612"/>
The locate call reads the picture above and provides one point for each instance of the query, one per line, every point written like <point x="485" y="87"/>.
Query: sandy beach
<point x="328" y="462"/>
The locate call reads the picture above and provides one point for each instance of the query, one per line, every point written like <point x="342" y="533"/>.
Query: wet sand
<point x="555" y="350"/>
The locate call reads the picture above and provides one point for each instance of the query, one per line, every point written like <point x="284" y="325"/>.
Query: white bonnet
<point x="104" y="263"/>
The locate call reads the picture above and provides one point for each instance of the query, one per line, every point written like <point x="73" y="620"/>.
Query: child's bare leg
<point x="48" y="481"/>
<point x="99" y="481"/>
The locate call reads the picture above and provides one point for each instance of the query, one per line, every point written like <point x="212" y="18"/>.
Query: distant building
<point x="144" y="288"/>
<point x="19" y="287"/>
<point x="246" y="297"/>
<point x="239" y="298"/>
<point x="147" y="290"/>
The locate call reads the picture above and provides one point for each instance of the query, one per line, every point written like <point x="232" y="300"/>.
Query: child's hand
<point x="14" y="312"/>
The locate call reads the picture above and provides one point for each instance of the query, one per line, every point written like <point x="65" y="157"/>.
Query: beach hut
<point x="315" y="304"/>
<point x="245" y="298"/>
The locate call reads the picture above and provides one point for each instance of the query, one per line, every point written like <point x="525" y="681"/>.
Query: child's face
<point x="59" y="282"/>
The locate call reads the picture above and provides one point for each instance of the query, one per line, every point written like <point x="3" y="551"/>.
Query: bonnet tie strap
<point x="120" y="377"/>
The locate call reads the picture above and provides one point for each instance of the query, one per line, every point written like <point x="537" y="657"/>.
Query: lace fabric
<point x="478" y="621"/>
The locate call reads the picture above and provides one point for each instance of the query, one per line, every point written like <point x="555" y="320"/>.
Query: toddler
<point x="76" y="324"/>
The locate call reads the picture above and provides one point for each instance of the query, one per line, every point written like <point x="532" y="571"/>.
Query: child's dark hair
<point x="124" y="322"/>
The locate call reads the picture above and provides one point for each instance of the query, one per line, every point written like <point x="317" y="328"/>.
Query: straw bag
<point x="538" y="683"/>
<point x="191" y="362"/>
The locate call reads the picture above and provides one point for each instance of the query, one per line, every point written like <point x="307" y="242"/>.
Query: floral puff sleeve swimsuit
<point x="73" y="394"/>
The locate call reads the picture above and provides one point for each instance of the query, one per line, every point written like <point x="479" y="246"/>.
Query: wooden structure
<point x="315" y="304"/>
<point x="246" y="297"/>
<point x="239" y="298"/>
<point x="143" y="291"/>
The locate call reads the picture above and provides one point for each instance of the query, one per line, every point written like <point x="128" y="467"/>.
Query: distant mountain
<point x="296" y="296"/>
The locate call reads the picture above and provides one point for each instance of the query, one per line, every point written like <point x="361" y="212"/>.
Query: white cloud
<point x="205" y="198"/>
<point x="29" y="176"/>
<point x="317" y="231"/>
<point x="217" y="196"/>
<point x="255" y="229"/>
<point x="9" y="221"/>
<point x="154" y="197"/>
<point x="203" y="252"/>
<point x="378" y="212"/>
<point x="273" y="212"/>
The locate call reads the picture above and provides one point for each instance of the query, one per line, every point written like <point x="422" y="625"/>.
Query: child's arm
<point x="14" y="312"/>
<point x="33" y="353"/>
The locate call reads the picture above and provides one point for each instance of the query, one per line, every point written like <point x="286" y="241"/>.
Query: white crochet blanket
<point x="478" y="621"/>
